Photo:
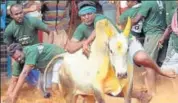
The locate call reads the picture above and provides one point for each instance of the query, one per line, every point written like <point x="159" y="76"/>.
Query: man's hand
<point x="160" y="42"/>
<point x="12" y="98"/>
<point x="86" y="50"/>
<point x="12" y="85"/>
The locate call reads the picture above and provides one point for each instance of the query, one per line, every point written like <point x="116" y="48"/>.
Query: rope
<point x="73" y="16"/>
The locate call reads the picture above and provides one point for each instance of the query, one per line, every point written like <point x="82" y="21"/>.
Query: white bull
<point x="98" y="74"/>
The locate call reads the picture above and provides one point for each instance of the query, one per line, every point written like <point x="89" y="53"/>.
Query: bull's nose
<point x="121" y="75"/>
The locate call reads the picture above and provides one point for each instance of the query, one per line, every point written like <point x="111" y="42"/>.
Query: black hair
<point x="139" y="1"/>
<point x="13" y="47"/>
<point x="14" y="5"/>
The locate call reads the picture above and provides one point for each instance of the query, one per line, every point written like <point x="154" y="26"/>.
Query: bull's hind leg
<point x="66" y="84"/>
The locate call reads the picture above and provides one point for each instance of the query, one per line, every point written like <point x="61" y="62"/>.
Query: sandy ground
<point x="167" y="92"/>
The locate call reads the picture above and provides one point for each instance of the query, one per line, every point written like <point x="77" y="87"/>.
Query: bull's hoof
<point x="47" y="95"/>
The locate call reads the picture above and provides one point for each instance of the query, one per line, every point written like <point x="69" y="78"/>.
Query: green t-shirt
<point x="25" y="33"/>
<point x="154" y="13"/>
<point x="132" y="12"/>
<point x="38" y="55"/>
<point x="84" y="31"/>
<point x="175" y="41"/>
<point x="170" y="9"/>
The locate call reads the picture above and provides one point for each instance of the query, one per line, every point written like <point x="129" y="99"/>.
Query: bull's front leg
<point x="128" y="88"/>
<point x="127" y="91"/>
<point x="98" y="92"/>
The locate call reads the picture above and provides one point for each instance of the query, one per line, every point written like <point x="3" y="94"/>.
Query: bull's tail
<point x="49" y="68"/>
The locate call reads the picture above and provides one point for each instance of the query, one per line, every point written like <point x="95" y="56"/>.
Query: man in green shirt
<point x="170" y="9"/>
<point x="85" y="29"/>
<point x="22" y="2"/>
<point x="133" y="8"/>
<point x="28" y="58"/>
<point x="171" y="61"/>
<point x="153" y="13"/>
<point x="23" y="29"/>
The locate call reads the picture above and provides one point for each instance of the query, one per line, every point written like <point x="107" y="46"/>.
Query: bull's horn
<point x="127" y="27"/>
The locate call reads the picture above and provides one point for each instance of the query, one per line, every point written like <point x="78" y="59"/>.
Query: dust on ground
<point x="167" y="92"/>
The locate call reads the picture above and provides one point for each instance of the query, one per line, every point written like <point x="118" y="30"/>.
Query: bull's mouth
<point x="122" y="75"/>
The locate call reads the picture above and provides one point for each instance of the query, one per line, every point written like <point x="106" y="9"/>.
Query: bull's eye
<point x="111" y="51"/>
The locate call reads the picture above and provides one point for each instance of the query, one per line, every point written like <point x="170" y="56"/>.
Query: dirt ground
<point x="167" y="92"/>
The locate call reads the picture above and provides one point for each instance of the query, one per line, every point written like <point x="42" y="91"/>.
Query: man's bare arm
<point x="32" y="8"/>
<point x="12" y="85"/>
<point x="91" y="37"/>
<point x="167" y="32"/>
<point x="73" y="45"/>
<point x="21" y="80"/>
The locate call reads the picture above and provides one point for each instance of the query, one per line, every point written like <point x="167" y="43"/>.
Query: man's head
<point x="16" y="12"/>
<point x="87" y="12"/>
<point x="131" y="3"/>
<point x="16" y="52"/>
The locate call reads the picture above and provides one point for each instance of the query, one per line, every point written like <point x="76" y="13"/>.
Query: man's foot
<point x="170" y="73"/>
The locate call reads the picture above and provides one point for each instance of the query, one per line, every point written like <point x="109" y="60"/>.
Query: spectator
<point x="26" y="10"/>
<point x="170" y="9"/>
<point x="56" y="15"/>
<point x="22" y="29"/>
<point x="133" y="8"/>
<point x="171" y="61"/>
<point x="109" y="9"/>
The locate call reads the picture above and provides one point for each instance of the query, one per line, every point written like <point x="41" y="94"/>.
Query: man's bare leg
<point x="141" y="58"/>
<point x="150" y="81"/>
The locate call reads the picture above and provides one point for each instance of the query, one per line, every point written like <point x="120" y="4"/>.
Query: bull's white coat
<point x="109" y="49"/>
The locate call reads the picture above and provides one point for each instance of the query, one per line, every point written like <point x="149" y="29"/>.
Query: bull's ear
<point x="108" y="30"/>
<point x="127" y="27"/>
